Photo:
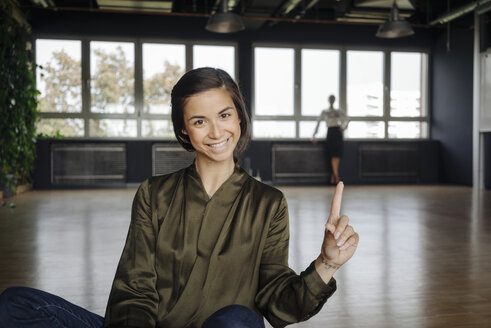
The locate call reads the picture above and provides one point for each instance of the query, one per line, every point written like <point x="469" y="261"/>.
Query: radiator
<point x="88" y="164"/>
<point x="388" y="160"/>
<point x="299" y="163"/>
<point x="168" y="159"/>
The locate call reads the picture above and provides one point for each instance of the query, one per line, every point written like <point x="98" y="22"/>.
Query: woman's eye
<point x="198" y="122"/>
<point x="225" y="115"/>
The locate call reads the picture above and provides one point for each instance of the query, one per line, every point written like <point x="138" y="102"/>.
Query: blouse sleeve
<point x="285" y="297"/>
<point x="133" y="301"/>
<point x="319" y="120"/>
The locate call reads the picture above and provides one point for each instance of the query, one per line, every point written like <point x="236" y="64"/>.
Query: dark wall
<point x="451" y="85"/>
<point x="487" y="160"/>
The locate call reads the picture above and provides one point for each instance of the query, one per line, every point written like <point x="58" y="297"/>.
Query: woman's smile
<point x="212" y="124"/>
<point x="216" y="146"/>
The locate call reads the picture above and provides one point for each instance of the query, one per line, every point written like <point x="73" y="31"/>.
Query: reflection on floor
<point x="424" y="258"/>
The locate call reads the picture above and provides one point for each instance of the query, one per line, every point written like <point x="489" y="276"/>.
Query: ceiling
<point x="256" y="13"/>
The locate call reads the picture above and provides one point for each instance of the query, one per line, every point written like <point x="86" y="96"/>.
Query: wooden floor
<point x="424" y="258"/>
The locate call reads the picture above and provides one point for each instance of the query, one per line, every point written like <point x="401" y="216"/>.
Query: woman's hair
<point x="201" y="80"/>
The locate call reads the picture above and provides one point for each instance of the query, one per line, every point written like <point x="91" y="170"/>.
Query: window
<point x="273" y="72"/>
<point x="365" y="83"/>
<point x="112" y="88"/>
<point x="163" y="65"/>
<point x="69" y="127"/>
<point x="408" y="130"/>
<point x="157" y="128"/>
<point x="406" y="84"/>
<point x="112" y="81"/>
<point x="59" y="80"/>
<point x="382" y="92"/>
<point x="307" y="128"/>
<point x="125" y="97"/>
<point x="364" y="129"/>
<point x="320" y="79"/>
<point x="273" y="93"/>
<point x="273" y="129"/>
<point x="222" y="57"/>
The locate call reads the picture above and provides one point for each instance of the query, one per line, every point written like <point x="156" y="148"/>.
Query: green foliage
<point x="62" y="77"/>
<point x="112" y="92"/>
<point x="158" y="87"/>
<point x="113" y="81"/>
<point x="18" y="104"/>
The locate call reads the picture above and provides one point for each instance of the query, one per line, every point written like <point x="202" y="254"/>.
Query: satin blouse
<point x="188" y="255"/>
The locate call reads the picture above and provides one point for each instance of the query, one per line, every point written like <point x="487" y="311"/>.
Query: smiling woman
<point x="212" y="124"/>
<point x="207" y="245"/>
<point x="205" y="79"/>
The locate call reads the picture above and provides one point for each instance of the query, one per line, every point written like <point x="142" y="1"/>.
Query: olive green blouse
<point x="188" y="255"/>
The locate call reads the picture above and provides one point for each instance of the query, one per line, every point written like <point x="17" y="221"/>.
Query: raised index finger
<point x="336" y="203"/>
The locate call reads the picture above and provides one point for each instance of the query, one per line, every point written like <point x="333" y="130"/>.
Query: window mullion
<point x="297" y="101"/>
<point x="189" y="57"/>
<point x="86" y="101"/>
<point x="386" y="103"/>
<point x="139" y="101"/>
<point x="342" y="81"/>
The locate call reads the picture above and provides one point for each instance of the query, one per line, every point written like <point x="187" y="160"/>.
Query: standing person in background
<point x="336" y="122"/>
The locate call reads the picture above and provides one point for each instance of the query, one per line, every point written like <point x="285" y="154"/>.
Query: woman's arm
<point x="283" y="296"/>
<point x="321" y="117"/>
<point x="344" y="121"/>
<point x="340" y="240"/>
<point x="133" y="301"/>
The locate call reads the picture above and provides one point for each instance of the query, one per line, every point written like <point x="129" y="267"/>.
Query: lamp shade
<point x="225" y="22"/>
<point x="395" y="27"/>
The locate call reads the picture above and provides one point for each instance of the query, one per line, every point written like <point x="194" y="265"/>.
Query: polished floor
<point x="424" y="258"/>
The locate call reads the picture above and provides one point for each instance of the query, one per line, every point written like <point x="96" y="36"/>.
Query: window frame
<point x="139" y="115"/>
<point x="297" y="117"/>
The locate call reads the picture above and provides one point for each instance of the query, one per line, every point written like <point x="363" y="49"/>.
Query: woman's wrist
<point x="325" y="269"/>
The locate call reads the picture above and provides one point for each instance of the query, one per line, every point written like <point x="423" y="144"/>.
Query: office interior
<point x="435" y="185"/>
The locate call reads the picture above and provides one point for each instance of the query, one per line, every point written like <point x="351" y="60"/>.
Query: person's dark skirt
<point x="334" y="142"/>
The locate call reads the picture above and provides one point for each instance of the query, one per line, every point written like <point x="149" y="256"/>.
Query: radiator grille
<point x="388" y="161"/>
<point x="300" y="163"/>
<point x="88" y="164"/>
<point x="168" y="159"/>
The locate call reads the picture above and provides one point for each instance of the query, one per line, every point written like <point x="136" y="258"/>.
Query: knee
<point x="11" y="294"/>
<point x="13" y="298"/>
<point x="234" y="316"/>
<point x="7" y="298"/>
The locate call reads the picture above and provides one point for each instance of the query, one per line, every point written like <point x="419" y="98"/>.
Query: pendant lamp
<point x="395" y="27"/>
<point x="224" y="21"/>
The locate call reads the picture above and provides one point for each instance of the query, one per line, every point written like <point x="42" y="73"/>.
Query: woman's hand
<point x="340" y="239"/>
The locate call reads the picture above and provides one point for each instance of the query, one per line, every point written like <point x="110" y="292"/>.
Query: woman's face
<point x="212" y="123"/>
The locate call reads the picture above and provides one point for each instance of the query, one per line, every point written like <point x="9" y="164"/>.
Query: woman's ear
<point x="184" y="132"/>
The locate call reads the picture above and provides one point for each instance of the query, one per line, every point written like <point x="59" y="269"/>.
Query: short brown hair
<point x="203" y="79"/>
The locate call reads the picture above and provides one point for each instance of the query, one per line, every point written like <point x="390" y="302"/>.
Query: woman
<point x="336" y="122"/>
<point x="208" y="245"/>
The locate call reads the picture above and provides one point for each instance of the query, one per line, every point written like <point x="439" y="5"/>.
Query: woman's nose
<point x="215" y="131"/>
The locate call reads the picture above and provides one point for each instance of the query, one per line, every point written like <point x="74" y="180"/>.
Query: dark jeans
<point x="23" y="307"/>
